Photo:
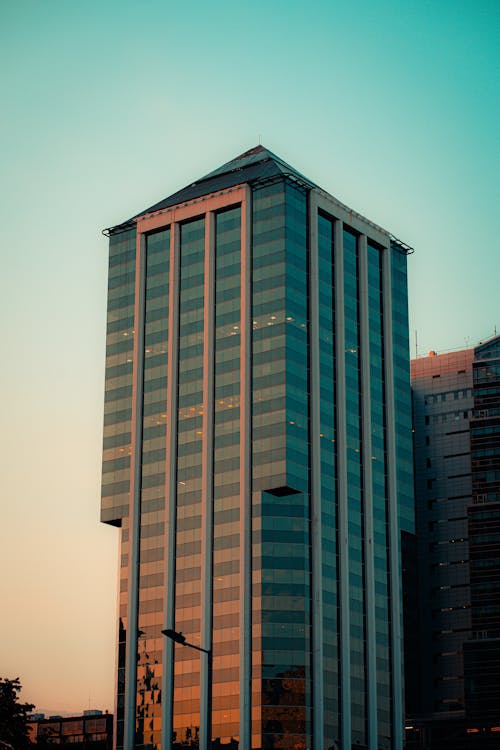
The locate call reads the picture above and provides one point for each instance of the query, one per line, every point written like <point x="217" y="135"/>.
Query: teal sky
<point x="107" y="107"/>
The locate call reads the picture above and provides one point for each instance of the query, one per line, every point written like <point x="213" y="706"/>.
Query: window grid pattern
<point x="281" y="605"/>
<point x="186" y="708"/>
<point x="328" y="415"/>
<point x="268" y="403"/>
<point x="379" y="493"/>
<point x="226" y="592"/>
<point x="402" y="393"/>
<point x="402" y="419"/>
<point x="152" y="521"/>
<point x="117" y="424"/>
<point x="354" y="489"/>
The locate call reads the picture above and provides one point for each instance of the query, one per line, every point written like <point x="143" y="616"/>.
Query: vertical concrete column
<point x="207" y="494"/>
<point x="316" y="500"/>
<point x="171" y="485"/>
<point x="246" y="474"/>
<point x="368" y="548"/>
<point x="134" y="513"/>
<point x="393" y="521"/>
<point x="343" y="513"/>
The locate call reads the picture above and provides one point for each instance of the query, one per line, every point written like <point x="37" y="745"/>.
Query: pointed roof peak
<point x="256" y="155"/>
<point x="252" y="156"/>
<point x="258" y="163"/>
<point x="254" y="150"/>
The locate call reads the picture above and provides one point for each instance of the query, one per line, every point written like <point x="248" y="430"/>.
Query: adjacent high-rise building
<point x="258" y="461"/>
<point x="456" y="400"/>
<point x="482" y="653"/>
<point x="443" y="402"/>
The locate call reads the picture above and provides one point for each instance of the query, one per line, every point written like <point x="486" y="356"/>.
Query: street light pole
<point x="181" y="639"/>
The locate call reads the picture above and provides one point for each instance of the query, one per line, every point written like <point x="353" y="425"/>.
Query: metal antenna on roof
<point x="260" y="140"/>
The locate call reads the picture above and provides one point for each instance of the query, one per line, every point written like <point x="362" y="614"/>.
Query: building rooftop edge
<point x="257" y="165"/>
<point x="441" y="353"/>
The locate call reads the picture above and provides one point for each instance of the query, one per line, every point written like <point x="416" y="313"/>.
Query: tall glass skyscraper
<point x="257" y="458"/>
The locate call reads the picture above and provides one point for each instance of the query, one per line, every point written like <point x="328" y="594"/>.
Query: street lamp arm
<point x="179" y="638"/>
<point x="199" y="648"/>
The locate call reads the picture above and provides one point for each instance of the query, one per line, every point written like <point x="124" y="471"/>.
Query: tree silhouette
<point x="13" y="715"/>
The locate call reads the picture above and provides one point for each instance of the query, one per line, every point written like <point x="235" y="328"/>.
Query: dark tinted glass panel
<point x="379" y="492"/>
<point x="117" y="423"/>
<point x="354" y="487"/>
<point x="152" y="538"/>
<point x="186" y="717"/>
<point x="328" y="477"/>
<point x="226" y="578"/>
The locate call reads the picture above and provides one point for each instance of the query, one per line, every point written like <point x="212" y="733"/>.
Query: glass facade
<point x="117" y="436"/>
<point x="152" y="509"/>
<point x="188" y="563"/>
<point x="74" y="732"/>
<point x="281" y="676"/>
<point x="328" y="415"/>
<point x="379" y="492"/>
<point x="226" y="543"/>
<point x="402" y="392"/>
<point x="354" y="486"/>
<point x="274" y="227"/>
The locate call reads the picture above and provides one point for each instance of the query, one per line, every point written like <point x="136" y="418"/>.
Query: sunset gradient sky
<point x="109" y="106"/>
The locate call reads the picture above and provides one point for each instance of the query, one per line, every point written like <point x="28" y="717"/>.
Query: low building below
<point x="93" y="729"/>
